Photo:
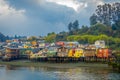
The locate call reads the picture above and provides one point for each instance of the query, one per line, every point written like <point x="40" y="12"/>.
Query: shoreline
<point x="56" y="65"/>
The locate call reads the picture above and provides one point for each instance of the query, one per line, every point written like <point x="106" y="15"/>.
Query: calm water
<point x="47" y="73"/>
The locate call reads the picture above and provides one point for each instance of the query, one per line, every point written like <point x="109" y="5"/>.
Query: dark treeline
<point x="2" y="37"/>
<point x="104" y="25"/>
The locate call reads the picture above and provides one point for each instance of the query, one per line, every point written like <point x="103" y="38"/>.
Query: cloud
<point x="39" y="17"/>
<point x="96" y="2"/>
<point x="9" y="16"/>
<point x="74" y="4"/>
<point x="6" y="10"/>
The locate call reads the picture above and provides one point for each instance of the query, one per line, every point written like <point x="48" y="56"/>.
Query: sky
<point x="39" y="17"/>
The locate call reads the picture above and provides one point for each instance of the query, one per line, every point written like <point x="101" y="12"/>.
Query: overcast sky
<point x="39" y="17"/>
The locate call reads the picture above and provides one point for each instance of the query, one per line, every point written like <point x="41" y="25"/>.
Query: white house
<point x="100" y="44"/>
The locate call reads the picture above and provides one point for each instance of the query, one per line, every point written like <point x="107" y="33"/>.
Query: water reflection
<point x="9" y="72"/>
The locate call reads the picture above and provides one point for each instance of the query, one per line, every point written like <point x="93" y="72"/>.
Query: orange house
<point x="103" y="53"/>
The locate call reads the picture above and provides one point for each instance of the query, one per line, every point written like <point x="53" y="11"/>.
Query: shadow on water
<point x="51" y="73"/>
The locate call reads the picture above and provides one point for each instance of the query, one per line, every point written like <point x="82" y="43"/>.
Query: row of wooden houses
<point x="34" y="50"/>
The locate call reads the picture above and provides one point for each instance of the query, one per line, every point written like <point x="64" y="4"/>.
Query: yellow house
<point x="71" y="53"/>
<point x="75" y="53"/>
<point x="34" y="43"/>
<point x="78" y="53"/>
<point x="27" y="46"/>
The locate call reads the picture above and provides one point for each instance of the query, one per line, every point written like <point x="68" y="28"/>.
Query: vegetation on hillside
<point x="104" y="25"/>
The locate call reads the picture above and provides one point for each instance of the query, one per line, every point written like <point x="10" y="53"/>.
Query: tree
<point x="106" y="14"/>
<point x="70" y="26"/>
<point x="7" y="37"/>
<point x="2" y="37"/>
<point x="32" y="38"/>
<point x="61" y="36"/>
<point x="83" y="30"/>
<point x="50" y="38"/>
<point x="98" y="29"/>
<point x="51" y="33"/>
<point x="75" y="25"/>
<point x="104" y="37"/>
<point x="116" y="12"/>
<point x="15" y="36"/>
<point x="93" y="19"/>
<point x="116" y="25"/>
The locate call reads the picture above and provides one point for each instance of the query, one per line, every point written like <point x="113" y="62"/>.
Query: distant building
<point x="71" y="44"/>
<point x="100" y="44"/>
<point x="81" y="46"/>
<point x="15" y="40"/>
<point x="90" y="47"/>
<point x="42" y="45"/>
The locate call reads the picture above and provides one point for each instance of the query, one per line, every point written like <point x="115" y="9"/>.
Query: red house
<point x="60" y="43"/>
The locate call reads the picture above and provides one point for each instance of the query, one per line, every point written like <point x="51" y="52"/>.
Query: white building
<point x="100" y="44"/>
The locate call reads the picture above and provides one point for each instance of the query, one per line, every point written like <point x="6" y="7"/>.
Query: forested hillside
<point x="104" y="25"/>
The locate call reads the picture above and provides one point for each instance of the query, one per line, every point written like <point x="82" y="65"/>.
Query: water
<point x="49" y="73"/>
